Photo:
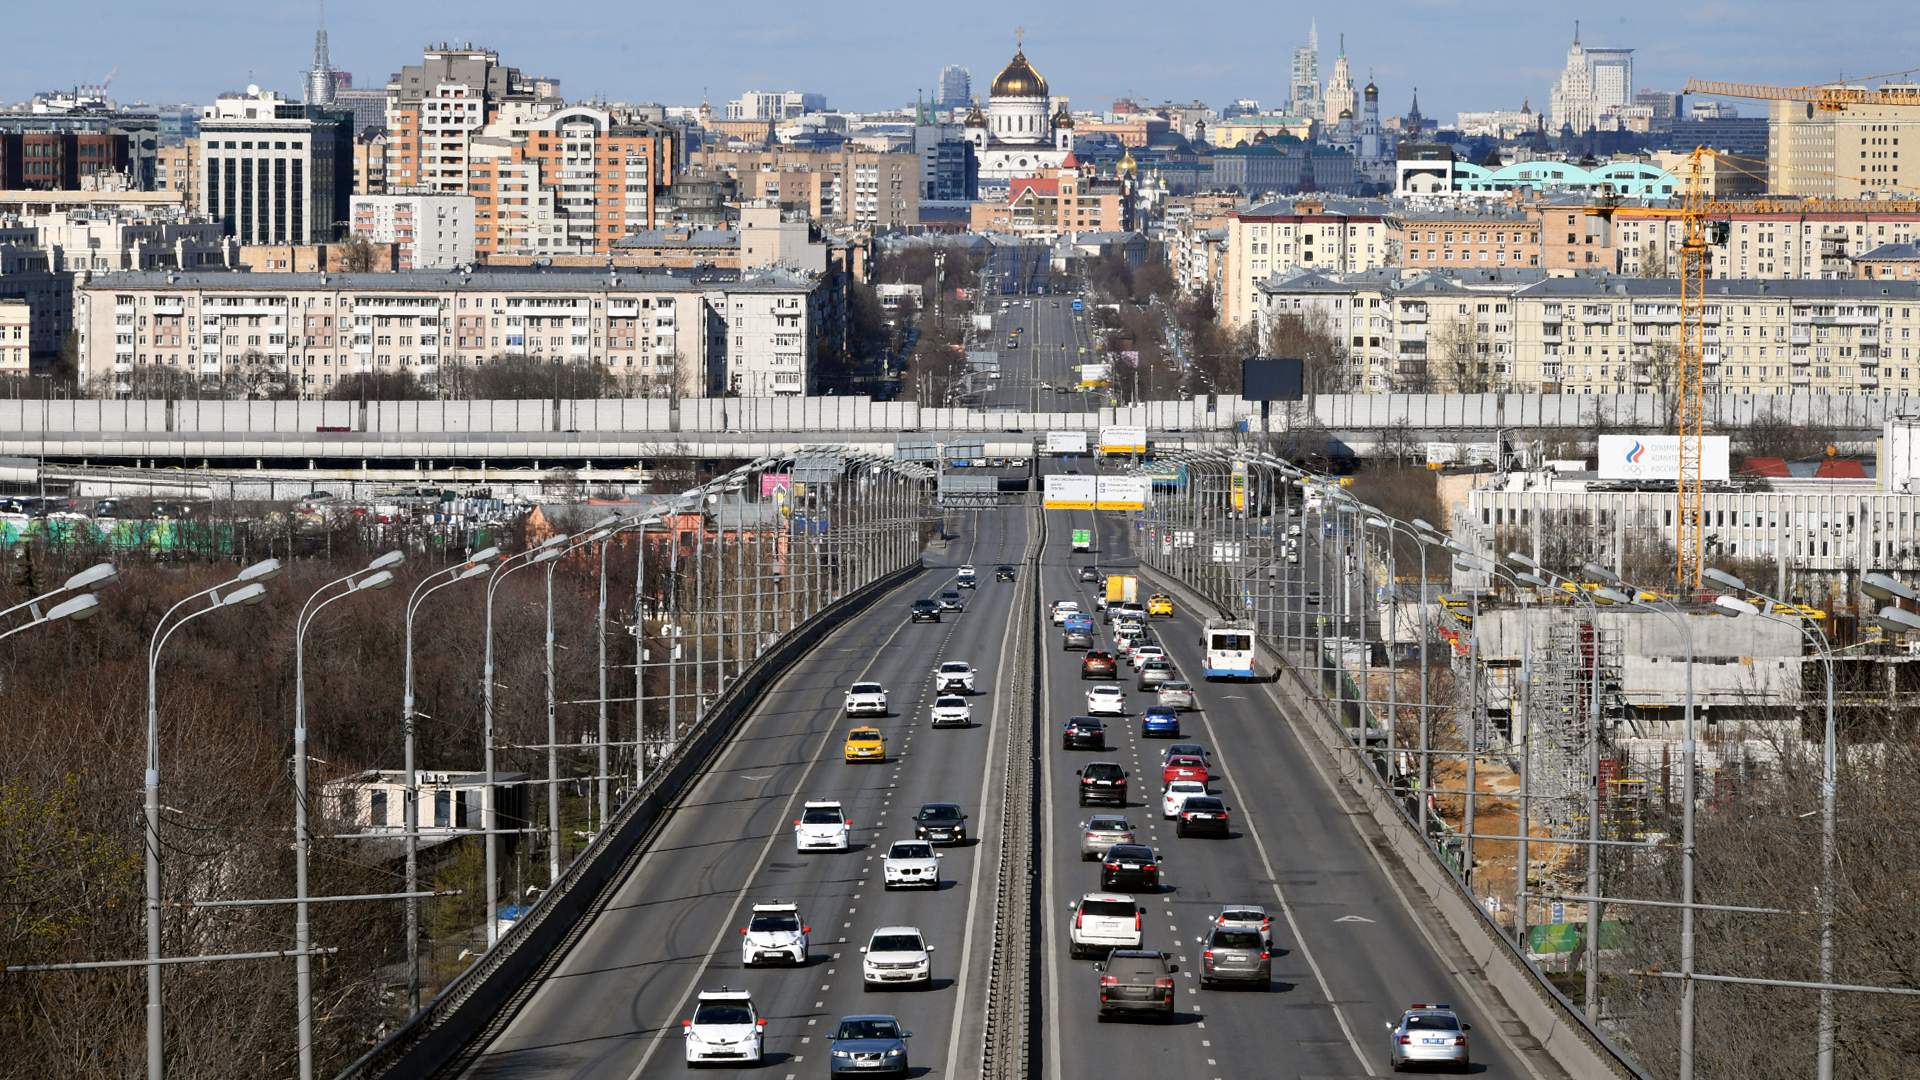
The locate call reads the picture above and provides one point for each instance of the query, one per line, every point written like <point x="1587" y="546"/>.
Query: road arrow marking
<point x="744" y="776"/>
<point x="1353" y="918"/>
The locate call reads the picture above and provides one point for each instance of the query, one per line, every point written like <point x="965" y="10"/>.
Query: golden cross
<point x="1019" y="38"/>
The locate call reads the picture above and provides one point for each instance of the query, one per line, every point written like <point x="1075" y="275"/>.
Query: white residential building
<point x="434" y="232"/>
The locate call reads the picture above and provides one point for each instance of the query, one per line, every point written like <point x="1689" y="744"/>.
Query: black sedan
<point x="1003" y="573"/>
<point x="926" y="611"/>
<point x="1130" y="868"/>
<point x="940" y="823"/>
<point x="1083" y="733"/>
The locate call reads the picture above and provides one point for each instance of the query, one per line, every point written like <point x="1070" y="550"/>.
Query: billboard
<point x="771" y="482"/>
<point x="1072" y="491"/>
<point x="1272" y="378"/>
<point x="1066" y="442"/>
<point x="1093" y="374"/>
<point x="1657" y="457"/>
<point x="1239" y="486"/>
<point x="1123" y="440"/>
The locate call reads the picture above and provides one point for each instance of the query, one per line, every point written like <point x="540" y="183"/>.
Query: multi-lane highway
<point x="613" y="1006"/>
<point x="1039" y="364"/>
<point x="1351" y="949"/>
<point x="1348" y="956"/>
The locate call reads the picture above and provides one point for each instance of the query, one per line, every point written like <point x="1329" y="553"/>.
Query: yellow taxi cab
<point x="1160" y="606"/>
<point x="865" y="743"/>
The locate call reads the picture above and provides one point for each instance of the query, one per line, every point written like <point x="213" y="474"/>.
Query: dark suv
<point x="1130" y="868"/>
<point x="1099" y="664"/>
<point x="940" y="823"/>
<point x="1102" y="782"/>
<point x="926" y="611"/>
<point x="1003" y="573"/>
<point x="1083" y="733"/>
<point x="1136" y="981"/>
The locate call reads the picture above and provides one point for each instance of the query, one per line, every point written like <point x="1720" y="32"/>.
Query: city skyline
<point x="766" y="47"/>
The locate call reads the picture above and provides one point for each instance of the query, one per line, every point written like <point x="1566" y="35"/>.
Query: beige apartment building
<point x="1765" y="244"/>
<point x="861" y="189"/>
<point x="1862" y="151"/>
<point x="16" y="337"/>
<point x="659" y="334"/>
<point x="1615" y="335"/>
<point x="176" y="169"/>
<point x="1332" y="236"/>
<point x="1459" y="237"/>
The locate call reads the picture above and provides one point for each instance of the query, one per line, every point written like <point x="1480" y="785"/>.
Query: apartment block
<point x="16" y="337"/>
<point x="50" y="158"/>
<point x="370" y="163"/>
<point x="1492" y="236"/>
<point x="858" y="188"/>
<point x="1862" y="151"/>
<point x="1773" y="241"/>
<point x="275" y="171"/>
<point x="432" y="232"/>
<point x="435" y="110"/>
<point x="1335" y="236"/>
<point x="575" y="180"/>
<point x="1056" y="203"/>
<point x="658" y="333"/>
<point x="177" y="169"/>
<point x="1621" y="335"/>
<point x="1408" y="331"/>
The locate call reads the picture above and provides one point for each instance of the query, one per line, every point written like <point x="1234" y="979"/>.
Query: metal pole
<point x="1426" y="631"/>
<point x="700" y="616"/>
<point x="156" y="1037"/>
<point x="640" y="659"/>
<point x="1829" y="782"/>
<point x="1473" y="739"/>
<point x="1526" y="754"/>
<point x="1687" y="985"/>
<point x="553" y="750"/>
<point x="600" y="640"/>
<point x="678" y="636"/>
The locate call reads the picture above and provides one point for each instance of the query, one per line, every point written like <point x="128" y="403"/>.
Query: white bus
<point x="1228" y="646"/>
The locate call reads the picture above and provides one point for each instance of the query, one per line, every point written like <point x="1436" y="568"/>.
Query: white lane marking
<point x="786" y="813"/>
<point x="1286" y="909"/>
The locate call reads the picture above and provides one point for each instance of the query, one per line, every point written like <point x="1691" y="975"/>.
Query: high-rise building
<point x="573" y="182"/>
<point x="1849" y="154"/>
<point x="1341" y="97"/>
<point x="274" y="171"/>
<point x="437" y="107"/>
<point x="1304" y="85"/>
<point x="1594" y="84"/>
<point x="956" y="87"/>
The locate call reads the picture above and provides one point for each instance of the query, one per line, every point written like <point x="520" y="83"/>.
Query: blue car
<point x="1078" y="622"/>
<point x="873" y="1045"/>
<point x="1161" y="721"/>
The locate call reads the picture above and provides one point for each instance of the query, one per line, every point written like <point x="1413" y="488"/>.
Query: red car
<point x="1184" y="767"/>
<point x="1099" y="665"/>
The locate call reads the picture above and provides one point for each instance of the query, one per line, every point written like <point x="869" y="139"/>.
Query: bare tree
<point x="1459" y="352"/>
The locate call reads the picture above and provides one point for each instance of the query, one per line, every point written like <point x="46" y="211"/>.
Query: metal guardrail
<point x="487" y="993"/>
<point x="1009" y="1048"/>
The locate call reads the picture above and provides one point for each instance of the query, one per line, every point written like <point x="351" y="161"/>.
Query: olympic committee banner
<point x="1657" y="457"/>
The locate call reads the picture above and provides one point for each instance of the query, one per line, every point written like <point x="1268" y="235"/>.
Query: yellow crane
<point x="1825" y="98"/>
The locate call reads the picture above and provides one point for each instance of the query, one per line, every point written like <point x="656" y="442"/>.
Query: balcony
<point x="1799" y="359"/>
<point x="1640" y="337"/>
<point x="363" y="348"/>
<point x="618" y="310"/>
<point x="169" y="307"/>
<point x="1800" y="337"/>
<point x="1869" y="381"/>
<point x="1870" y="318"/>
<point x="1799" y="378"/>
<point x="1551" y="334"/>
<point x="122" y="367"/>
<point x="1595" y="318"/>
<point x="1414" y="314"/>
<point x="210" y="347"/>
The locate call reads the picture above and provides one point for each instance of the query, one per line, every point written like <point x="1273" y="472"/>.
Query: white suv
<point x="910" y="862"/>
<point x="1063" y="608"/>
<point x="866" y="699"/>
<point x="895" y="955"/>
<point x="952" y="710"/>
<point x="1102" y="922"/>
<point x="774" y="934"/>
<point x="725" y="1027"/>
<point x="953" y="677"/>
<point x="822" y="826"/>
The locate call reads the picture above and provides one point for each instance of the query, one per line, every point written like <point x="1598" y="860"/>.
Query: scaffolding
<point x="1560" y="716"/>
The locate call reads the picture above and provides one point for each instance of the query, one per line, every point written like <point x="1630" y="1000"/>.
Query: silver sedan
<point x="1102" y="831"/>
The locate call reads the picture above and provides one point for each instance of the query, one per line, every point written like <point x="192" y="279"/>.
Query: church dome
<point x="1063" y="118"/>
<point x="1018" y="79"/>
<point x="1371" y="91"/>
<point x="976" y="118"/>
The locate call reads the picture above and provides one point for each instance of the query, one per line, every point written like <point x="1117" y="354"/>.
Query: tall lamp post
<point x="376" y="575"/>
<point x="546" y="551"/>
<point x="597" y="534"/>
<point x="432" y="583"/>
<point x="246" y="589"/>
<point x="1619" y="592"/>
<point x="1880" y="587"/>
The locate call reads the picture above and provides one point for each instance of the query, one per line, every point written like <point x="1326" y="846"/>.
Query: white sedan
<point x="1107" y="700"/>
<point x="910" y="862"/>
<point x="1176" y="796"/>
<point x="1062" y="609"/>
<point x="952" y="710"/>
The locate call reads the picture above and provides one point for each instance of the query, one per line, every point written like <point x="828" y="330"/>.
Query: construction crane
<point x="1833" y="98"/>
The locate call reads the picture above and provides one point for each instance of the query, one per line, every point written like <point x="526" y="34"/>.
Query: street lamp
<point x="1882" y="587"/>
<point x="546" y="551"/>
<point x="1619" y="592"/>
<point x="374" y="576"/>
<point x="250" y="591"/>
<point x="600" y="531"/>
<point x="432" y="583"/>
<point x="75" y="608"/>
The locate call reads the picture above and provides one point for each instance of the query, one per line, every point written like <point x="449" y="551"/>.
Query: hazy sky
<point x="1462" y="54"/>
